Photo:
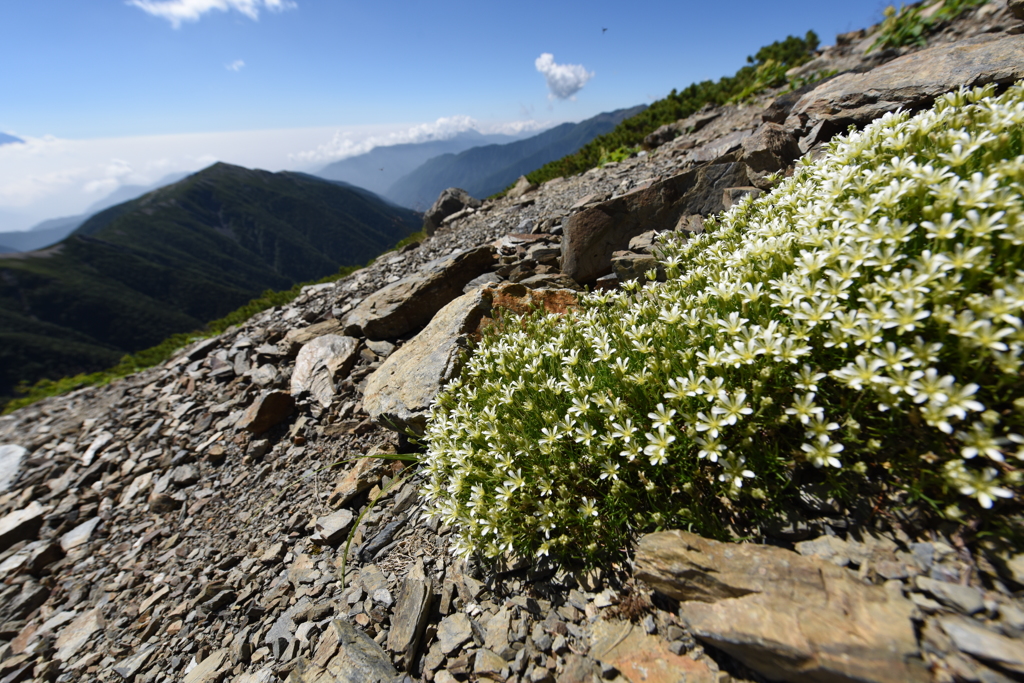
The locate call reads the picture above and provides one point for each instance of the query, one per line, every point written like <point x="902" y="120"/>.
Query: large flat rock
<point x="398" y="394"/>
<point x="597" y="232"/>
<point x="786" y="616"/>
<point x="11" y="456"/>
<point x="409" y="304"/>
<point x="912" y="81"/>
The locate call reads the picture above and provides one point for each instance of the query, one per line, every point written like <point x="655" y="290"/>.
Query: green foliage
<point x="859" y="328"/>
<point x="910" y="25"/>
<point x="764" y="69"/>
<point x="620" y="154"/>
<point x="147" y="358"/>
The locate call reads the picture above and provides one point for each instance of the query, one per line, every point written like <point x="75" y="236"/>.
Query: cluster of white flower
<point x="864" y="318"/>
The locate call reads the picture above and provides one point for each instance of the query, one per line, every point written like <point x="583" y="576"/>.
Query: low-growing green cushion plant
<point x="859" y="328"/>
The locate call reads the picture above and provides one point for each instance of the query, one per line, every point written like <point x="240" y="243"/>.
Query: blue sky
<point x="109" y="92"/>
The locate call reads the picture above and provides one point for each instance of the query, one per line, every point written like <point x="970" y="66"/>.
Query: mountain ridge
<point x="489" y="169"/>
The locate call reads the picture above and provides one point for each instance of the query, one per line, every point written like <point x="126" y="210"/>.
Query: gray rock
<point x="332" y="529"/>
<point x="453" y="631"/>
<point x="974" y="639"/>
<point x="963" y="598"/>
<point x="345" y="655"/>
<point x="629" y="266"/>
<point x="594" y="234"/>
<point x="449" y="202"/>
<point x="911" y="82"/>
<point x="77" y="633"/>
<point x="409" y="304"/>
<point x="213" y="669"/>
<point x="410" y="616"/>
<point x="771" y="148"/>
<point x="21" y="525"/>
<point x="11" y="456"/>
<point x="268" y="410"/>
<point x="130" y="666"/>
<point x="80" y="535"/>
<point x="521" y="187"/>
<point x="321" y="361"/>
<point x="398" y="394"/>
<point x="184" y="475"/>
<point x="481" y="281"/>
<point x="783" y="615"/>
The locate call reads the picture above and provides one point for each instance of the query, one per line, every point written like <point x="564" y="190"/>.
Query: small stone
<point x="332" y="529"/>
<point x="453" y="631"/>
<point x="963" y="598"/>
<point x="80" y="535"/>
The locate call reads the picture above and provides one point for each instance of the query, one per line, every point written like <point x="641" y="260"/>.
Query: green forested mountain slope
<point x="177" y="257"/>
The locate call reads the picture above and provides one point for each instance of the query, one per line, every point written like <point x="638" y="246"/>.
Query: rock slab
<point x="319" y="362"/>
<point x="408" y="304"/>
<point x="398" y="394"/>
<point x="786" y="616"/>
<point x="912" y="81"/>
<point x="594" y="234"/>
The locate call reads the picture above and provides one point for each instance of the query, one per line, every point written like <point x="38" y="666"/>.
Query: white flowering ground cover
<point x="858" y="327"/>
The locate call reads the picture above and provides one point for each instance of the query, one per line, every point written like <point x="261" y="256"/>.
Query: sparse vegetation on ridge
<point x="766" y="68"/>
<point x="859" y="329"/>
<point x="910" y="25"/>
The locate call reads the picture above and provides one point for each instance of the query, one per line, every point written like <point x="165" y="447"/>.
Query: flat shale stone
<point x="784" y="615"/>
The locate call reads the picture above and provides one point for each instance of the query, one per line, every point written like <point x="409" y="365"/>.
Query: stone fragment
<point x="522" y="187"/>
<point x="453" y="631"/>
<point x="213" y="669"/>
<point x="783" y="615"/>
<point x="771" y="148"/>
<point x="974" y="639"/>
<point x="362" y="476"/>
<point x="11" y="456"/>
<point x="733" y="195"/>
<point x="21" y="525"/>
<point x="97" y="445"/>
<point x="399" y="393"/>
<point x="184" y="475"/>
<point x="642" y="657"/>
<point x="410" y="616"/>
<point x="345" y="655"/>
<point x="332" y="529"/>
<point x="297" y="338"/>
<point x="77" y="633"/>
<point x="409" y="304"/>
<point x="449" y="202"/>
<point x="963" y="598"/>
<point x="319" y="363"/>
<point x="1016" y="8"/>
<point x="161" y="503"/>
<point x="128" y="667"/>
<point x="488" y="664"/>
<point x="912" y="81"/>
<point x="629" y="266"/>
<point x="268" y="410"/>
<point x="592" y="235"/>
<point x="80" y="535"/>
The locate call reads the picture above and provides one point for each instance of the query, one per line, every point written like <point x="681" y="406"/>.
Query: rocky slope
<point x="190" y="522"/>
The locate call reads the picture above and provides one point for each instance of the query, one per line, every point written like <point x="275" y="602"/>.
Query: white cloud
<point x="236" y="65"/>
<point x="350" y="143"/>
<point x="177" y="11"/>
<point x="564" y="80"/>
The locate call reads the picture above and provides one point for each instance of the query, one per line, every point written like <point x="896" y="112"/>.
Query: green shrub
<point x="859" y="328"/>
<point x="909" y="25"/>
<point x="620" y="154"/>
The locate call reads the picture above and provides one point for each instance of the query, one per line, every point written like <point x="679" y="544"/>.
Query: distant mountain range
<point x="6" y="139"/>
<point x="55" y="229"/>
<point x="379" y="168"/>
<point x="486" y="170"/>
<point x="174" y="259"/>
